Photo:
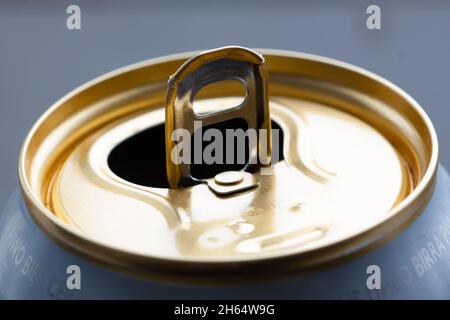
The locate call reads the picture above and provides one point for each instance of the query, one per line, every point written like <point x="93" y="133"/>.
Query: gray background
<point x="40" y="60"/>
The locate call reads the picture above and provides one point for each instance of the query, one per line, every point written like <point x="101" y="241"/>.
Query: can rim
<point x="73" y="239"/>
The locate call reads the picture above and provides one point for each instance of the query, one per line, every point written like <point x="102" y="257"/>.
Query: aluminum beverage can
<point x="345" y="198"/>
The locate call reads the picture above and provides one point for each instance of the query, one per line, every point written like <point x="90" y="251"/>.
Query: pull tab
<point x="228" y="63"/>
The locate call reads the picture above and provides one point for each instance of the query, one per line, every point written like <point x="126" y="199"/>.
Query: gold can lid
<point x="357" y="163"/>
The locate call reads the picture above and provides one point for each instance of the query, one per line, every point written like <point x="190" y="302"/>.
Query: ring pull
<point x="228" y="63"/>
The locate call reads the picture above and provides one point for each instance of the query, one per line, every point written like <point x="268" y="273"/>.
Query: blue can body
<point x="413" y="265"/>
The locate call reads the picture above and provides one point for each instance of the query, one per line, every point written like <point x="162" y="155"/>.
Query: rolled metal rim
<point x="248" y="268"/>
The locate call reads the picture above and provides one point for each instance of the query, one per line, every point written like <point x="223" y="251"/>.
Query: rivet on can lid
<point x="229" y="177"/>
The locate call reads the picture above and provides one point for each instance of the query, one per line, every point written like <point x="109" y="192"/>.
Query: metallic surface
<point x="330" y="90"/>
<point x="414" y="265"/>
<point x="55" y="66"/>
<point x="291" y="209"/>
<point x="231" y="182"/>
<point x="228" y="63"/>
<point x="229" y="177"/>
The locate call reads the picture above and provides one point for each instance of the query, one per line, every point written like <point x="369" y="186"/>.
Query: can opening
<point x="204" y="170"/>
<point x="134" y="159"/>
